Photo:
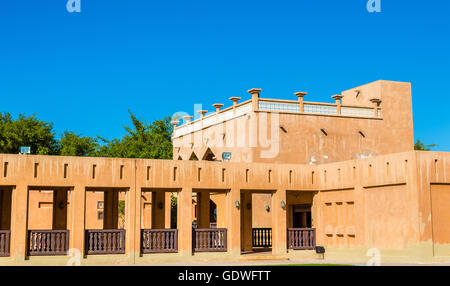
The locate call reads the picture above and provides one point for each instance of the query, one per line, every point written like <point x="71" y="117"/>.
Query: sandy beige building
<point x="279" y="175"/>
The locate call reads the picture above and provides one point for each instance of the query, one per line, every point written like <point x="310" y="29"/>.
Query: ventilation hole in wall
<point x="148" y="173"/>
<point x="246" y="175"/>
<point x="324" y="132"/>
<point x="174" y="173"/>
<point x="328" y="204"/>
<point x="350" y="203"/>
<point x="312" y="177"/>
<point x="223" y="174"/>
<point x="36" y="167"/>
<point x="290" y="176"/>
<point x="199" y="173"/>
<point x="93" y="171"/>
<point x="435" y="168"/>
<point x="362" y="134"/>
<point x="121" y="172"/>
<point x="65" y="170"/>
<point x="339" y="203"/>
<point x="270" y="176"/>
<point x="5" y="169"/>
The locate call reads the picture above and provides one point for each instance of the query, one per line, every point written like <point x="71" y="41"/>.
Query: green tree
<point x="420" y="146"/>
<point x="142" y="140"/>
<point x="27" y="131"/>
<point x="72" y="144"/>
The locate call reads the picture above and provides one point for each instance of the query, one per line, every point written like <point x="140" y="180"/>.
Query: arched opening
<point x="179" y="157"/>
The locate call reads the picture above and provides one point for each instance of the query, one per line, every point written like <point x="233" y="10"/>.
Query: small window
<point x="99" y="215"/>
<point x="100" y="205"/>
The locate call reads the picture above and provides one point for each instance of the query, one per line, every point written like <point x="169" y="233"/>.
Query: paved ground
<point x="266" y="253"/>
<point x="291" y="262"/>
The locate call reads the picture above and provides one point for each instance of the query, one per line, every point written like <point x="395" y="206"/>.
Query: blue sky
<point x="83" y="71"/>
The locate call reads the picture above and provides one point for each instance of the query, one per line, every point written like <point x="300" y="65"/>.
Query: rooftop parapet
<point x="257" y="104"/>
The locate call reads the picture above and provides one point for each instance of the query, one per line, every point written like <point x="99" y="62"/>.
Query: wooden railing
<point x="47" y="242"/>
<point x="105" y="241"/>
<point x="159" y="240"/>
<point x="209" y="239"/>
<point x="262" y="237"/>
<point x="301" y="238"/>
<point x="4" y="242"/>
<point x="293" y="106"/>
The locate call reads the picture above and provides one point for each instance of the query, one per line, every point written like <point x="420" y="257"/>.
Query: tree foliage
<point x="27" y="131"/>
<point x="141" y="140"/>
<point x="72" y="144"/>
<point x="420" y="146"/>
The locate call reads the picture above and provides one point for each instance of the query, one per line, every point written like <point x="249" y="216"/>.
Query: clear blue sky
<point x="84" y="71"/>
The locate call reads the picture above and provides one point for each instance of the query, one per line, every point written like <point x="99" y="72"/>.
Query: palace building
<point x="261" y="179"/>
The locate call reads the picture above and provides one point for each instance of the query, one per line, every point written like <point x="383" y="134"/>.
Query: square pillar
<point x="167" y="209"/>
<point x="376" y="105"/>
<point x="300" y="96"/>
<point x="234" y="221"/>
<point x="246" y="221"/>
<point x="19" y="213"/>
<point x="217" y="106"/>
<point x="184" y="221"/>
<point x="235" y="100"/>
<point x="203" y="218"/>
<point x="338" y="98"/>
<point x="279" y="222"/>
<point x="255" y="98"/>
<point x="132" y="247"/>
<point x="77" y="220"/>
